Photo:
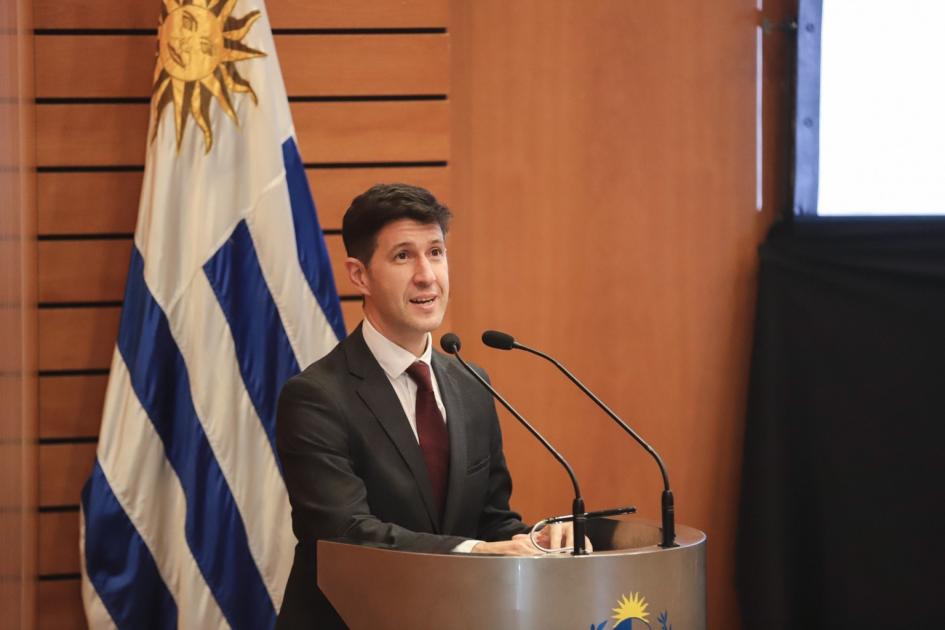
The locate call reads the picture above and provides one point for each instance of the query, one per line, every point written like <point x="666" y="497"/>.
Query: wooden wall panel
<point x="313" y="65"/>
<point x="63" y="468"/>
<point x="58" y="539"/>
<point x="18" y="452"/>
<point x="107" y="202"/>
<point x="77" y="338"/>
<point x="334" y="189"/>
<point x="352" y="312"/>
<point x="82" y="134"/>
<point x="383" y="131"/>
<point x="284" y="14"/>
<point x="336" y="251"/>
<point x="88" y="203"/>
<point x="365" y="64"/>
<point x="83" y="338"/>
<point x="606" y="153"/>
<point x="60" y="605"/>
<point x="86" y="270"/>
<point x="71" y="406"/>
<point x="95" y="270"/>
<point x="359" y="13"/>
<point x="393" y="131"/>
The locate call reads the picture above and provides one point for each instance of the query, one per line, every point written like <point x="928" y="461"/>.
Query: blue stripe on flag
<point x="313" y="255"/>
<point x="214" y="529"/>
<point x="119" y="564"/>
<point x="263" y="351"/>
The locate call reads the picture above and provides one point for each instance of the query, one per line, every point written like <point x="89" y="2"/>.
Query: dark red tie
<point x="431" y="429"/>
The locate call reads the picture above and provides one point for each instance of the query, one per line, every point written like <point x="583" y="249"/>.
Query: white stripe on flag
<point x="234" y="431"/>
<point x="132" y="459"/>
<point x="273" y="233"/>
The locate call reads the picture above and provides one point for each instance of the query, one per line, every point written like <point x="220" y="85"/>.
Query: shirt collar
<point x="393" y="359"/>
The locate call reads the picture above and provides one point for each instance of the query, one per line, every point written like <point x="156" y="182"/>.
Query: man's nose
<point x="423" y="273"/>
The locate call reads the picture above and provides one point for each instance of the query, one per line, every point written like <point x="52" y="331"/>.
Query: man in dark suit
<point x="375" y="446"/>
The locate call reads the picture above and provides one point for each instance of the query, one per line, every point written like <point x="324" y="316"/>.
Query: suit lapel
<point x="456" y="419"/>
<point x="379" y="396"/>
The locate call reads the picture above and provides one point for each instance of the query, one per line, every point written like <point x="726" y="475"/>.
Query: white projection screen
<point x="870" y="128"/>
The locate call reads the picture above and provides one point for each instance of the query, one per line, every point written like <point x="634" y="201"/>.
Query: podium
<point x="627" y="583"/>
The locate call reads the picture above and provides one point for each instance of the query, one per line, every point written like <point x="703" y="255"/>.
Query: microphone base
<point x="580" y="527"/>
<point x="669" y="520"/>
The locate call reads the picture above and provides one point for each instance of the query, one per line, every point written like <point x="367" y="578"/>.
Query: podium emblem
<point x="631" y="614"/>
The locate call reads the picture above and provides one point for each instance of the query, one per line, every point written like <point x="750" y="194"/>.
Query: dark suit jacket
<point x="354" y="469"/>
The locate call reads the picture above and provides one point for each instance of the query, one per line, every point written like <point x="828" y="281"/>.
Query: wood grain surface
<point x="609" y="151"/>
<point x="115" y="134"/>
<point x="291" y="14"/>
<point x="81" y="203"/>
<point x="313" y="65"/>
<point x="83" y="338"/>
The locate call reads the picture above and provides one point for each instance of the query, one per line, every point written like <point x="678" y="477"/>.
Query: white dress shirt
<point x="395" y="360"/>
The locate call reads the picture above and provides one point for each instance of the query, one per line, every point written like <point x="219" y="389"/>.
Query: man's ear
<point x="357" y="273"/>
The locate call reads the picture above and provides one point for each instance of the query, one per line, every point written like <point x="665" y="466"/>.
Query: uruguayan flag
<point x="185" y="518"/>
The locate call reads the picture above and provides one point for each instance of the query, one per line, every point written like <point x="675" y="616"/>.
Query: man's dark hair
<point x="382" y="204"/>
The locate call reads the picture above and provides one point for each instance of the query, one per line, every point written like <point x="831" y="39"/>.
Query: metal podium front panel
<point x="621" y="589"/>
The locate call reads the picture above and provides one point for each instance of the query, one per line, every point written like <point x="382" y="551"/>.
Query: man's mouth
<point x="423" y="301"/>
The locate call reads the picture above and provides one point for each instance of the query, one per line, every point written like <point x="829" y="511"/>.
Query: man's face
<point x="406" y="284"/>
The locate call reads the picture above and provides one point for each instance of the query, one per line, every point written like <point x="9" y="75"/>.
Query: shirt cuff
<point x="466" y="546"/>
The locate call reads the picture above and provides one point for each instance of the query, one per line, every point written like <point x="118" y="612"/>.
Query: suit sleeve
<point x="329" y="499"/>
<point x="498" y="521"/>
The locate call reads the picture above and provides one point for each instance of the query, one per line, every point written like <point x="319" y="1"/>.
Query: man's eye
<point x="436" y="251"/>
<point x="401" y="255"/>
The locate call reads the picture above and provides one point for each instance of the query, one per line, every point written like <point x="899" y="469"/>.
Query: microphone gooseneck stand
<point x="451" y="345"/>
<point x="505" y="341"/>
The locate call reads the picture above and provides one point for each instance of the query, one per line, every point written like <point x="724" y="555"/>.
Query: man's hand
<point x="560" y="535"/>
<point x="518" y="546"/>
<point x="551" y="537"/>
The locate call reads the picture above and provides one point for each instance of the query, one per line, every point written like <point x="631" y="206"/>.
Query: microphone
<point x="505" y="341"/>
<point x="451" y="345"/>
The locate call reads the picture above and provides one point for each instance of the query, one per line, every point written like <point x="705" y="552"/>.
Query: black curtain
<point x="842" y="516"/>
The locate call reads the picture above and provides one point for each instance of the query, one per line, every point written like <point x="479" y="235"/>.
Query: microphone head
<point x="498" y="340"/>
<point x="450" y="343"/>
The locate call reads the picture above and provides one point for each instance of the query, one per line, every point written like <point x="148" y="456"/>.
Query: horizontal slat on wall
<point x="84" y="338"/>
<point x="58" y="542"/>
<point x="77" y="338"/>
<point x="295" y="14"/>
<point x="107" y="202"/>
<point x="95" y="270"/>
<point x="59" y="605"/>
<point x="63" y="468"/>
<point x="365" y="64"/>
<point x="71" y="406"/>
<point x="313" y="65"/>
<point x="334" y="189"/>
<point x="408" y="131"/>
<point x="83" y="271"/>
<point x="383" y="131"/>
<point x="87" y="203"/>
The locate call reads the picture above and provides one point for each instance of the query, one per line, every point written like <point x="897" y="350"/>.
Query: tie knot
<point x="420" y="373"/>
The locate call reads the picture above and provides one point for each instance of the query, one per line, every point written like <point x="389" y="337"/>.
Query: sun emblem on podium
<point x="629" y="609"/>
<point x="631" y="614"/>
<point x="199" y="45"/>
